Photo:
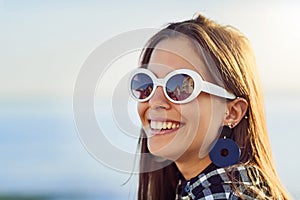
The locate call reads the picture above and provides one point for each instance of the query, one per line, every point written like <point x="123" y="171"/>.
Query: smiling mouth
<point x="164" y="126"/>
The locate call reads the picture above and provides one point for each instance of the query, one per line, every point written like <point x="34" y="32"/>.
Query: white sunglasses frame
<point x="199" y="85"/>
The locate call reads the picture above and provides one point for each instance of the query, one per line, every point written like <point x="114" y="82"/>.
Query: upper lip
<point x="163" y="120"/>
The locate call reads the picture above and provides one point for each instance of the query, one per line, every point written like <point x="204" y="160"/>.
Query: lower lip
<point x="162" y="132"/>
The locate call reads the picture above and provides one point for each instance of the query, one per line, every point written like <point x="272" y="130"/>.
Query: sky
<point x="45" y="43"/>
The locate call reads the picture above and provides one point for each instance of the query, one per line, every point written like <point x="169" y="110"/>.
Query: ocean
<point x="41" y="156"/>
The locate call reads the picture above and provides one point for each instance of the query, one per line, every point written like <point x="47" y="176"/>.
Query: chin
<point x="166" y="152"/>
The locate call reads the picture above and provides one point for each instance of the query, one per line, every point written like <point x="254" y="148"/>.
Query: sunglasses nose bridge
<point x="160" y="82"/>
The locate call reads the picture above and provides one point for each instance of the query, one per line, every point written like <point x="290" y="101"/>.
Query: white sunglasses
<point x="179" y="86"/>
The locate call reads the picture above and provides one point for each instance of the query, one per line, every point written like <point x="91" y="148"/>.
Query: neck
<point x="190" y="168"/>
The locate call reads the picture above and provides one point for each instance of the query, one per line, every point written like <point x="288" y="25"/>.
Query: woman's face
<point x="194" y="125"/>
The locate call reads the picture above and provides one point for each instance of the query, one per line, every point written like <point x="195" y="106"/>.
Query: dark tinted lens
<point x="141" y="86"/>
<point x="180" y="87"/>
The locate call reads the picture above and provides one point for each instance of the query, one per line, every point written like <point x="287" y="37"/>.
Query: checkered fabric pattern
<point x="223" y="183"/>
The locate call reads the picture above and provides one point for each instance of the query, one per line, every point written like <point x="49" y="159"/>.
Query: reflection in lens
<point x="141" y="86"/>
<point x="180" y="87"/>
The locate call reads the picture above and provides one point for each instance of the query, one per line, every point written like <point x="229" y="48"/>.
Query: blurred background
<point x="43" y="45"/>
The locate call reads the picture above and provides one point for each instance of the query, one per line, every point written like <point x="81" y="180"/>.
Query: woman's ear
<point x="236" y="110"/>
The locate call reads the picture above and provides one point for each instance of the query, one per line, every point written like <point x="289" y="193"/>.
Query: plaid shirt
<point x="223" y="183"/>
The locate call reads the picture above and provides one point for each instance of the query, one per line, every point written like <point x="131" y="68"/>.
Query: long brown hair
<point x="231" y="53"/>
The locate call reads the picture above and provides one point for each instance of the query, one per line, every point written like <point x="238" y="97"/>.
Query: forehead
<point x="177" y="53"/>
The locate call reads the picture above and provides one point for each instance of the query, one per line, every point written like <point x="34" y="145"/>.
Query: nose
<point x="159" y="100"/>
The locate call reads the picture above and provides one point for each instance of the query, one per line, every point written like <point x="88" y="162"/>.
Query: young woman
<point x="204" y="133"/>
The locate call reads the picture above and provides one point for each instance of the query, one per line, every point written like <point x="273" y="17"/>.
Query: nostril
<point x="161" y="107"/>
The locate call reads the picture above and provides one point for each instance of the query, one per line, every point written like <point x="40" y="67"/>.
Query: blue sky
<point x="44" y="43"/>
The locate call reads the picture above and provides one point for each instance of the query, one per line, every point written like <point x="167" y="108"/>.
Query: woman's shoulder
<point x="246" y="174"/>
<point x="231" y="183"/>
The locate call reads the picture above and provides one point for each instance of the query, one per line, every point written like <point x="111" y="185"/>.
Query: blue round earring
<point x="225" y="151"/>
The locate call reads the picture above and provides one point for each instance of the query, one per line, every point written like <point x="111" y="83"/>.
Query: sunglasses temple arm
<point x="216" y="90"/>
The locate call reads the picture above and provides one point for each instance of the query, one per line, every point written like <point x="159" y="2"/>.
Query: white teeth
<point x="164" y="125"/>
<point x="158" y="125"/>
<point x="169" y="126"/>
<point x="153" y="125"/>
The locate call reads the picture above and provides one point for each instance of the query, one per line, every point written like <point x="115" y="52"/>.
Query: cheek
<point x="198" y="112"/>
<point x="204" y="119"/>
<point x="211" y="112"/>
<point x="142" y="107"/>
<point x="212" y="121"/>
